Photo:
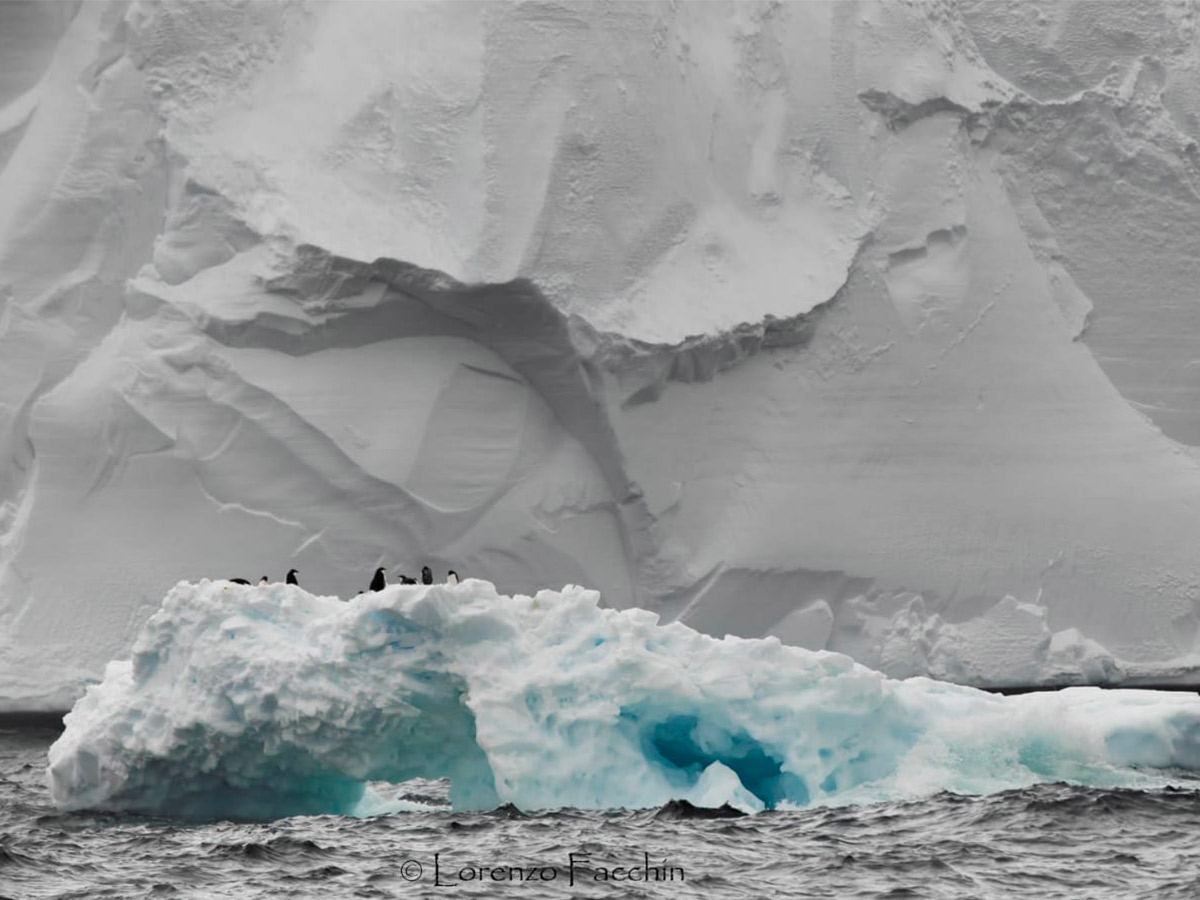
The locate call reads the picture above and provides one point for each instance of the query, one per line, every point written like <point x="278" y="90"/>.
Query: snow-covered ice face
<point x="253" y="702"/>
<point x="867" y="327"/>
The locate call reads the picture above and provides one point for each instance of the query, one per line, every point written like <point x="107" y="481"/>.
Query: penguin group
<point x="378" y="580"/>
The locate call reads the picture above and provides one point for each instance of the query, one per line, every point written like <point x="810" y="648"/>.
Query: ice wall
<point x="865" y="325"/>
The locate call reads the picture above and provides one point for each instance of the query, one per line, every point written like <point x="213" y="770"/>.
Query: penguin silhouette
<point x="426" y="575"/>
<point x="264" y="580"/>
<point x="379" y="582"/>
<point x="451" y="577"/>
<point x="239" y="580"/>
<point x="291" y="577"/>
<point x="404" y="579"/>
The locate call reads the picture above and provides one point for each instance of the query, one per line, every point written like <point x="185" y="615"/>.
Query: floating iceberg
<point x="261" y="702"/>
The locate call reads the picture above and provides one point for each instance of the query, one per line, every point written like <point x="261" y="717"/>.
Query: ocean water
<point x="1049" y="841"/>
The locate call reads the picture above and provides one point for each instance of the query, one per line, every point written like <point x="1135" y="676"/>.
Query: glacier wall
<point x="864" y="325"/>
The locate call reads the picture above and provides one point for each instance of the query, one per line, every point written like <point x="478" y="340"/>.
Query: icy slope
<point x="265" y="702"/>
<point x="865" y="325"/>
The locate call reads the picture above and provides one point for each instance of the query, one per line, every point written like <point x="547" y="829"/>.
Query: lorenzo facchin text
<point x="580" y="867"/>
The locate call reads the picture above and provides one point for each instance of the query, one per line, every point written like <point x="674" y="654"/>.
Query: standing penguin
<point x="379" y="582"/>
<point x="451" y="577"/>
<point x="426" y="575"/>
<point x="291" y="577"/>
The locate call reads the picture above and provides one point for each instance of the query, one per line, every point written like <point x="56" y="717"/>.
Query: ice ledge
<point x="335" y="301"/>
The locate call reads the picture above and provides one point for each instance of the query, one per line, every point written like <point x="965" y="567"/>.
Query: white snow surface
<point x="261" y="702"/>
<point x="867" y="325"/>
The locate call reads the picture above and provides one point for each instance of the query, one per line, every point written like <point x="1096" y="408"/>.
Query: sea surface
<point x="1046" y="842"/>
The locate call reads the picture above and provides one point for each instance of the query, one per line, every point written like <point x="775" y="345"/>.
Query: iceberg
<point x="262" y="702"/>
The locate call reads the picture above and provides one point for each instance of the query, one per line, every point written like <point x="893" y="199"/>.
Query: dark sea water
<point x="1047" y="842"/>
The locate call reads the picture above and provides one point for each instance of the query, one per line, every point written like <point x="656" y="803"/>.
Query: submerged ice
<point x="261" y="702"/>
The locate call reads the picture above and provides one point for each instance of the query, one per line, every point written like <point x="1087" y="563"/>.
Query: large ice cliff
<point x="869" y="326"/>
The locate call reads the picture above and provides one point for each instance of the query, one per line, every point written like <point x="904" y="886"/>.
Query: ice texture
<point x="261" y="702"/>
<point x="867" y="325"/>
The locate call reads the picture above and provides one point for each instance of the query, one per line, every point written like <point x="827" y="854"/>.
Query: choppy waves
<point x="1048" y="842"/>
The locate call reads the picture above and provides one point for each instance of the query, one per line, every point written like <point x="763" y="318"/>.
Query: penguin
<point x="264" y="580"/>
<point x="239" y="580"/>
<point x="426" y="575"/>
<point x="379" y="582"/>
<point x="451" y="577"/>
<point x="291" y="577"/>
<point x="404" y="579"/>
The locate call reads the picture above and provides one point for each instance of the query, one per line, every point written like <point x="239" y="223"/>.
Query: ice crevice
<point x="898" y="113"/>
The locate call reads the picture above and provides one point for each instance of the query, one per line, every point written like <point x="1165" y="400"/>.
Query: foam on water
<point x="262" y="702"/>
